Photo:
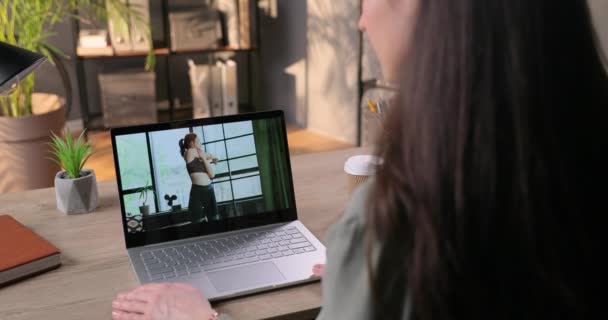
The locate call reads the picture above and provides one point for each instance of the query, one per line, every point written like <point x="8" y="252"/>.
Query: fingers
<point x="122" y="315"/>
<point x="318" y="266"/>
<point x="132" y="306"/>
<point x="141" y="293"/>
<point x="147" y="292"/>
<point x="124" y="296"/>
<point x="315" y="269"/>
<point x="318" y="269"/>
<point x="186" y="286"/>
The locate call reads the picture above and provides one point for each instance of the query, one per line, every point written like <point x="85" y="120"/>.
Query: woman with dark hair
<point x="202" y="204"/>
<point x="494" y="164"/>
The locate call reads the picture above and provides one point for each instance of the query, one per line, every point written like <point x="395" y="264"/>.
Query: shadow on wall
<point x="370" y="64"/>
<point x="333" y="63"/>
<point x="599" y="12"/>
<point x="283" y="61"/>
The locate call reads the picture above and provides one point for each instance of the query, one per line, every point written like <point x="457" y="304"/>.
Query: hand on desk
<point x="161" y="301"/>
<point x="168" y="301"/>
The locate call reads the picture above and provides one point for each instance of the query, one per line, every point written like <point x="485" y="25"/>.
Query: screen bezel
<point x="213" y="227"/>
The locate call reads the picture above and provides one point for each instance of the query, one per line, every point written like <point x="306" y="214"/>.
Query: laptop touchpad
<point x="245" y="277"/>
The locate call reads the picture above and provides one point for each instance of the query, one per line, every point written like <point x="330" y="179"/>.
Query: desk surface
<point x="95" y="263"/>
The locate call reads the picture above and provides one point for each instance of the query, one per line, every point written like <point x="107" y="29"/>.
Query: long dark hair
<point x="185" y="142"/>
<point x="486" y="202"/>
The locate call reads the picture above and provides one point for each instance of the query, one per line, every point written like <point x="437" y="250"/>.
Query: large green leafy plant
<point x="29" y="23"/>
<point x="70" y="154"/>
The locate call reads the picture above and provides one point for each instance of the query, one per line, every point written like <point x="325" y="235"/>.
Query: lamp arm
<point x="65" y="79"/>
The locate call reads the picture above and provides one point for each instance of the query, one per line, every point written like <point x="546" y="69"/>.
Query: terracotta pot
<point x="24" y="162"/>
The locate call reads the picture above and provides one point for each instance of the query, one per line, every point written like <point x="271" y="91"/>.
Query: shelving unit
<point x="93" y="121"/>
<point x="94" y="55"/>
<point x="160" y="52"/>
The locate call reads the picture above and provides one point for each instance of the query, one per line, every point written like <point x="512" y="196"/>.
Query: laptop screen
<point x="183" y="179"/>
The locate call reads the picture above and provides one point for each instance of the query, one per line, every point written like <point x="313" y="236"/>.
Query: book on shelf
<point x="244" y="24"/>
<point x="215" y="89"/>
<point x="195" y="29"/>
<point x="119" y="29"/>
<point x="84" y="52"/>
<point x="230" y="12"/>
<point x="230" y="96"/>
<point x="138" y="24"/>
<point x="93" y="38"/>
<point x="199" y="81"/>
<point x="23" y="253"/>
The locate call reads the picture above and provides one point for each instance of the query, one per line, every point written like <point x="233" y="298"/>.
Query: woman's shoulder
<point x="352" y="223"/>
<point x="358" y="204"/>
<point x="345" y="279"/>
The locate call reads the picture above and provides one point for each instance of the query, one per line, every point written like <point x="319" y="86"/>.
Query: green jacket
<point x="346" y="290"/>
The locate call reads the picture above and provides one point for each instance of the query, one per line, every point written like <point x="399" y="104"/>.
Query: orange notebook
<point x="23" y="253"/>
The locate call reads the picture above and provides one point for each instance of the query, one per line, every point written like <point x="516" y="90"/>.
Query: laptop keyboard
<point x="233" y="250"/>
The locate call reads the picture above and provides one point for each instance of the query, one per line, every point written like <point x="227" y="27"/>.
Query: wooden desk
<point x="95" y="264"/>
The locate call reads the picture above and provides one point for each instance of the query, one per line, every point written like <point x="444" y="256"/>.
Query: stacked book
<point x="23" y="253"/>
<point x="93" y="42"/>
<point x="214" y="89"/>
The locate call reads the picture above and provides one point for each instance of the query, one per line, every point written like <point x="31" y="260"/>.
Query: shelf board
<point x="221" y="49"/>
<point x="109" y="53"/>
<point x="184" y="112"/>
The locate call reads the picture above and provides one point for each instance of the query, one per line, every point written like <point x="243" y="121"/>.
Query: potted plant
<point x="27" y="118"/>
<point x="144" y="209"/>
<point x="75" y="187"/>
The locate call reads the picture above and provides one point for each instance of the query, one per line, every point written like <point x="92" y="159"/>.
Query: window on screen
<point x="237" y="175"/>
<point x="154" y="159"/>
<point x="135" y="171"/>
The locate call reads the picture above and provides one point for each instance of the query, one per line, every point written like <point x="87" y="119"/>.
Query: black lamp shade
<point x="15" y="64"/>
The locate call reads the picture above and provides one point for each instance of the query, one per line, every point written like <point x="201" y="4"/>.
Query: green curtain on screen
<point x="271" y="151"/>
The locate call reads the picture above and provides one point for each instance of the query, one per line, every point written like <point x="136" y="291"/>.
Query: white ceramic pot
<point x="75" y="196"/>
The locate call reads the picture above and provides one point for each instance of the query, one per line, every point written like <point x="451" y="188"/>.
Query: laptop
<point x="225" y="222"/>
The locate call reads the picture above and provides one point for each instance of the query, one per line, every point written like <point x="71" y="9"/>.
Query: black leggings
<point x="202" y="204"/>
